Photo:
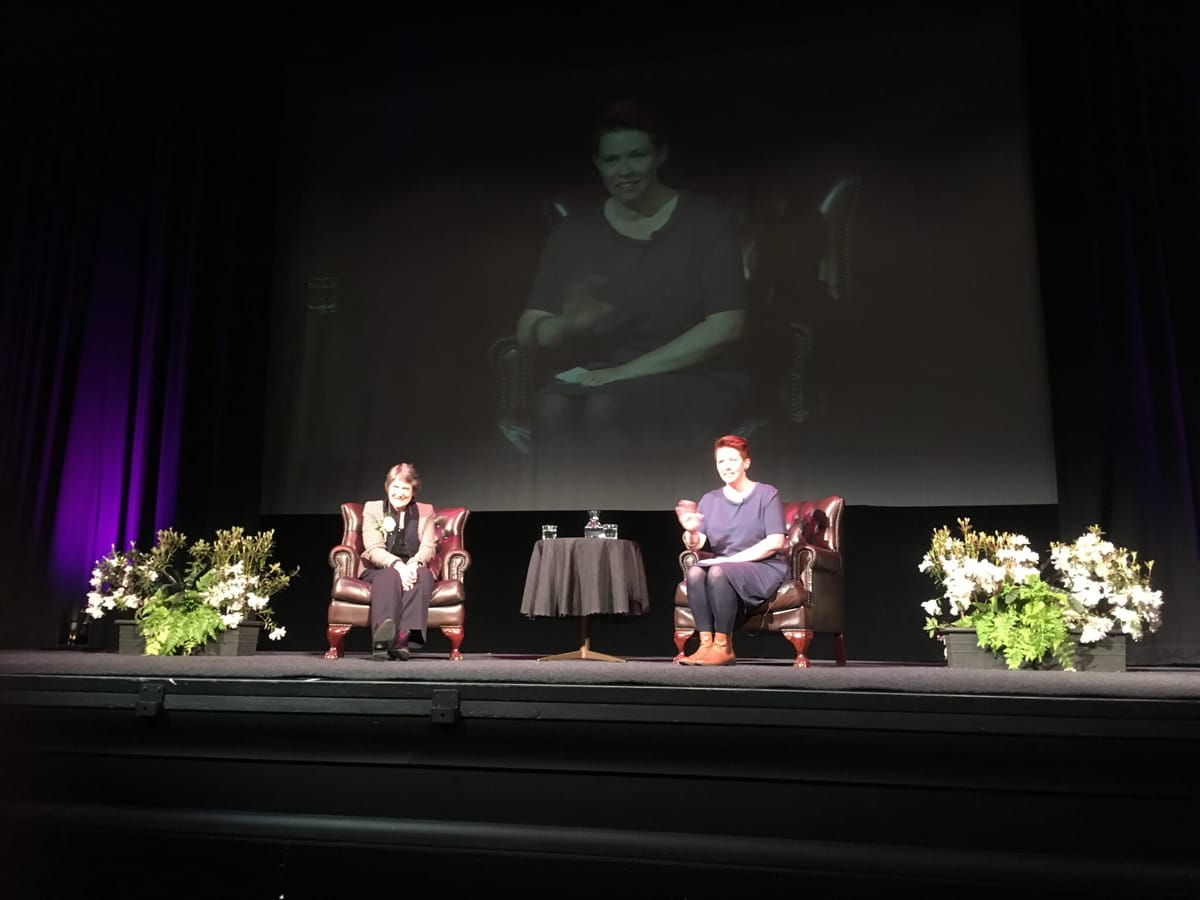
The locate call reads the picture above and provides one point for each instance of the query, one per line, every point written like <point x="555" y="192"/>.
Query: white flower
<point x="1109" y="589"/>
<point x="388" y="525"/>
<point x="231" y="620"/>
<point x="277" y="634"/>
<point x="1094" y="630"/>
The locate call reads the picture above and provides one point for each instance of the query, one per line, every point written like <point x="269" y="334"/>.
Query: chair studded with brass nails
<point x="811" y="600"/>
<point x="350" y="603"/>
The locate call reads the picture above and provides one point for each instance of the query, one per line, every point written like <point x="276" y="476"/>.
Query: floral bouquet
<point x="183" y="596"/>
<point x="994" y="584"/>
<point x="1108" y="588"/>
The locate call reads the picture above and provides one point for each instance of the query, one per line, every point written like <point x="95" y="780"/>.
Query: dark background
<point x="142" y="166"/>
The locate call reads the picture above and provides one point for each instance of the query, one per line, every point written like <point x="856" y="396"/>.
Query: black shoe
<point x="401" y="653"/>
<point x="382" y="639"/>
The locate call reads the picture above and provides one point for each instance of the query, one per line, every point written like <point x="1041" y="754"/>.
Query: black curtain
<point x="138" y="183"/>
<point x="1115" y="124"/>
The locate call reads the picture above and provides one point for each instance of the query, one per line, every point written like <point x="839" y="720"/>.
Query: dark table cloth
<point x="585" y="577"/>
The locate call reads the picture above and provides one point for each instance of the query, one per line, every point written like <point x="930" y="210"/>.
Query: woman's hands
<point x="584" y="313"/>
<point x="690" y="520"/>
<point x="600" y="377"/>
<point x="408" y="573"/>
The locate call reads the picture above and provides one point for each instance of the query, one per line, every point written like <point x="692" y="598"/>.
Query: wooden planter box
<point x="963" y="652"/>
<point x="129" y="639"/>
<point x="240" y="641"/>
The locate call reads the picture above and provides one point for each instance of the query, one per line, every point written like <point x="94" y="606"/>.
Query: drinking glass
<point x="549" y="532"/>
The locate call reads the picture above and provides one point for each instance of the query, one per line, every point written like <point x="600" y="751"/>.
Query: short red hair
<point x="737" y="442"/>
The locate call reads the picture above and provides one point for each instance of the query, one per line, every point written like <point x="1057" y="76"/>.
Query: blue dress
<point x="731" y="527"/>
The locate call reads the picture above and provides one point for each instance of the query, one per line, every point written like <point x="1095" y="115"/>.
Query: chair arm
<point x="452" y="563"/>
<point x="802" y="344"/>
<point x="689" y="558"/>
<point x="344" y="561"/>
<point x="826" y="560"/>
<point x="807" y="559"/>
<point x="511" y="361"/>
<point x="514" y="370"/>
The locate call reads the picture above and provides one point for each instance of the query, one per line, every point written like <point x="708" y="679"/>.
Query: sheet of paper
<point x="572" y="376"/>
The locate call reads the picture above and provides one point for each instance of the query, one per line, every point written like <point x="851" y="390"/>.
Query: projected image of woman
<point x="742" y="524"/>
<point x="399" y="542"/>
<point x="638" y="299"/>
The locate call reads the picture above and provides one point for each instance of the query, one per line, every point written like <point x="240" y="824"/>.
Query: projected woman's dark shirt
<point x="657" y="288"/>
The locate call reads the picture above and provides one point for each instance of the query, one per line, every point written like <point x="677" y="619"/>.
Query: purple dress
<point x="731" y="527"/>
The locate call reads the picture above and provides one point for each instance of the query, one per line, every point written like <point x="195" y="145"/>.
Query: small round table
<point x="585" y="577"/>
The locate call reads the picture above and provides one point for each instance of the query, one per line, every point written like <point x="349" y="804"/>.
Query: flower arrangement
<point x="1108" y="588"/>
<point x="994" y="583"/>
<point x="183" y="596"/>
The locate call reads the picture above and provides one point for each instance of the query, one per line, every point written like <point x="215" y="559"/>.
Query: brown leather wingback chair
<point x="350" y="604"/>
<point x="811" y="600"/>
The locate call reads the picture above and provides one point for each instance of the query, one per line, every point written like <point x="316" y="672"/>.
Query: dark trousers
<point x="408" y="609"/>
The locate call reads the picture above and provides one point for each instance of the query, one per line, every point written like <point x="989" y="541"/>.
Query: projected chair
<point x="840" y="208"/>
<point x="350" y="603"/>
<point x="799" y="283"/>
<point x="797" y="260"/>
<point x="811" y="600"/>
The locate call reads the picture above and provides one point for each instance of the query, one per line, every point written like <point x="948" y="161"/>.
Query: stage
<point x="305" y="775"/>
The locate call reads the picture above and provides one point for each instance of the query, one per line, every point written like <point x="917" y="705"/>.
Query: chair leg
<point x="800" y="641"/>
<point x="839" y="648"/>
<point x="454" y="634"/>
<point x="336" y="635"/>
<point x="681" y="638"/>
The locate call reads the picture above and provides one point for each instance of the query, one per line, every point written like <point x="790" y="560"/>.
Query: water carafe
<point x="593" y="528"/>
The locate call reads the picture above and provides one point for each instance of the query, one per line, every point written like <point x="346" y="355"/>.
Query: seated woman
<point x="637" y="297"/>
<point x="399" y="542"/>
<point x="744" y="527"/>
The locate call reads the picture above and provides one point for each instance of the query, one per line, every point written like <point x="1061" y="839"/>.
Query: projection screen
<point x="862" y="206"/>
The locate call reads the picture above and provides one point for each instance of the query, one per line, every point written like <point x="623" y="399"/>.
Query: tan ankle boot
<point x="706" y="642"/>
<point x="720" y="654"/>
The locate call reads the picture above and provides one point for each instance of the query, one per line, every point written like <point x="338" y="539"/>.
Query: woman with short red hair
<point x="743" y="527"/>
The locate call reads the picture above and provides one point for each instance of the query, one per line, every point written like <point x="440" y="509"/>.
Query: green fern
<point x="177" y="624"/>
<point x="1025" y="623"/>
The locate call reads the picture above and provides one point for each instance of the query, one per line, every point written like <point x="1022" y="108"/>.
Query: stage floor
<point x="1159" y="683"/>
